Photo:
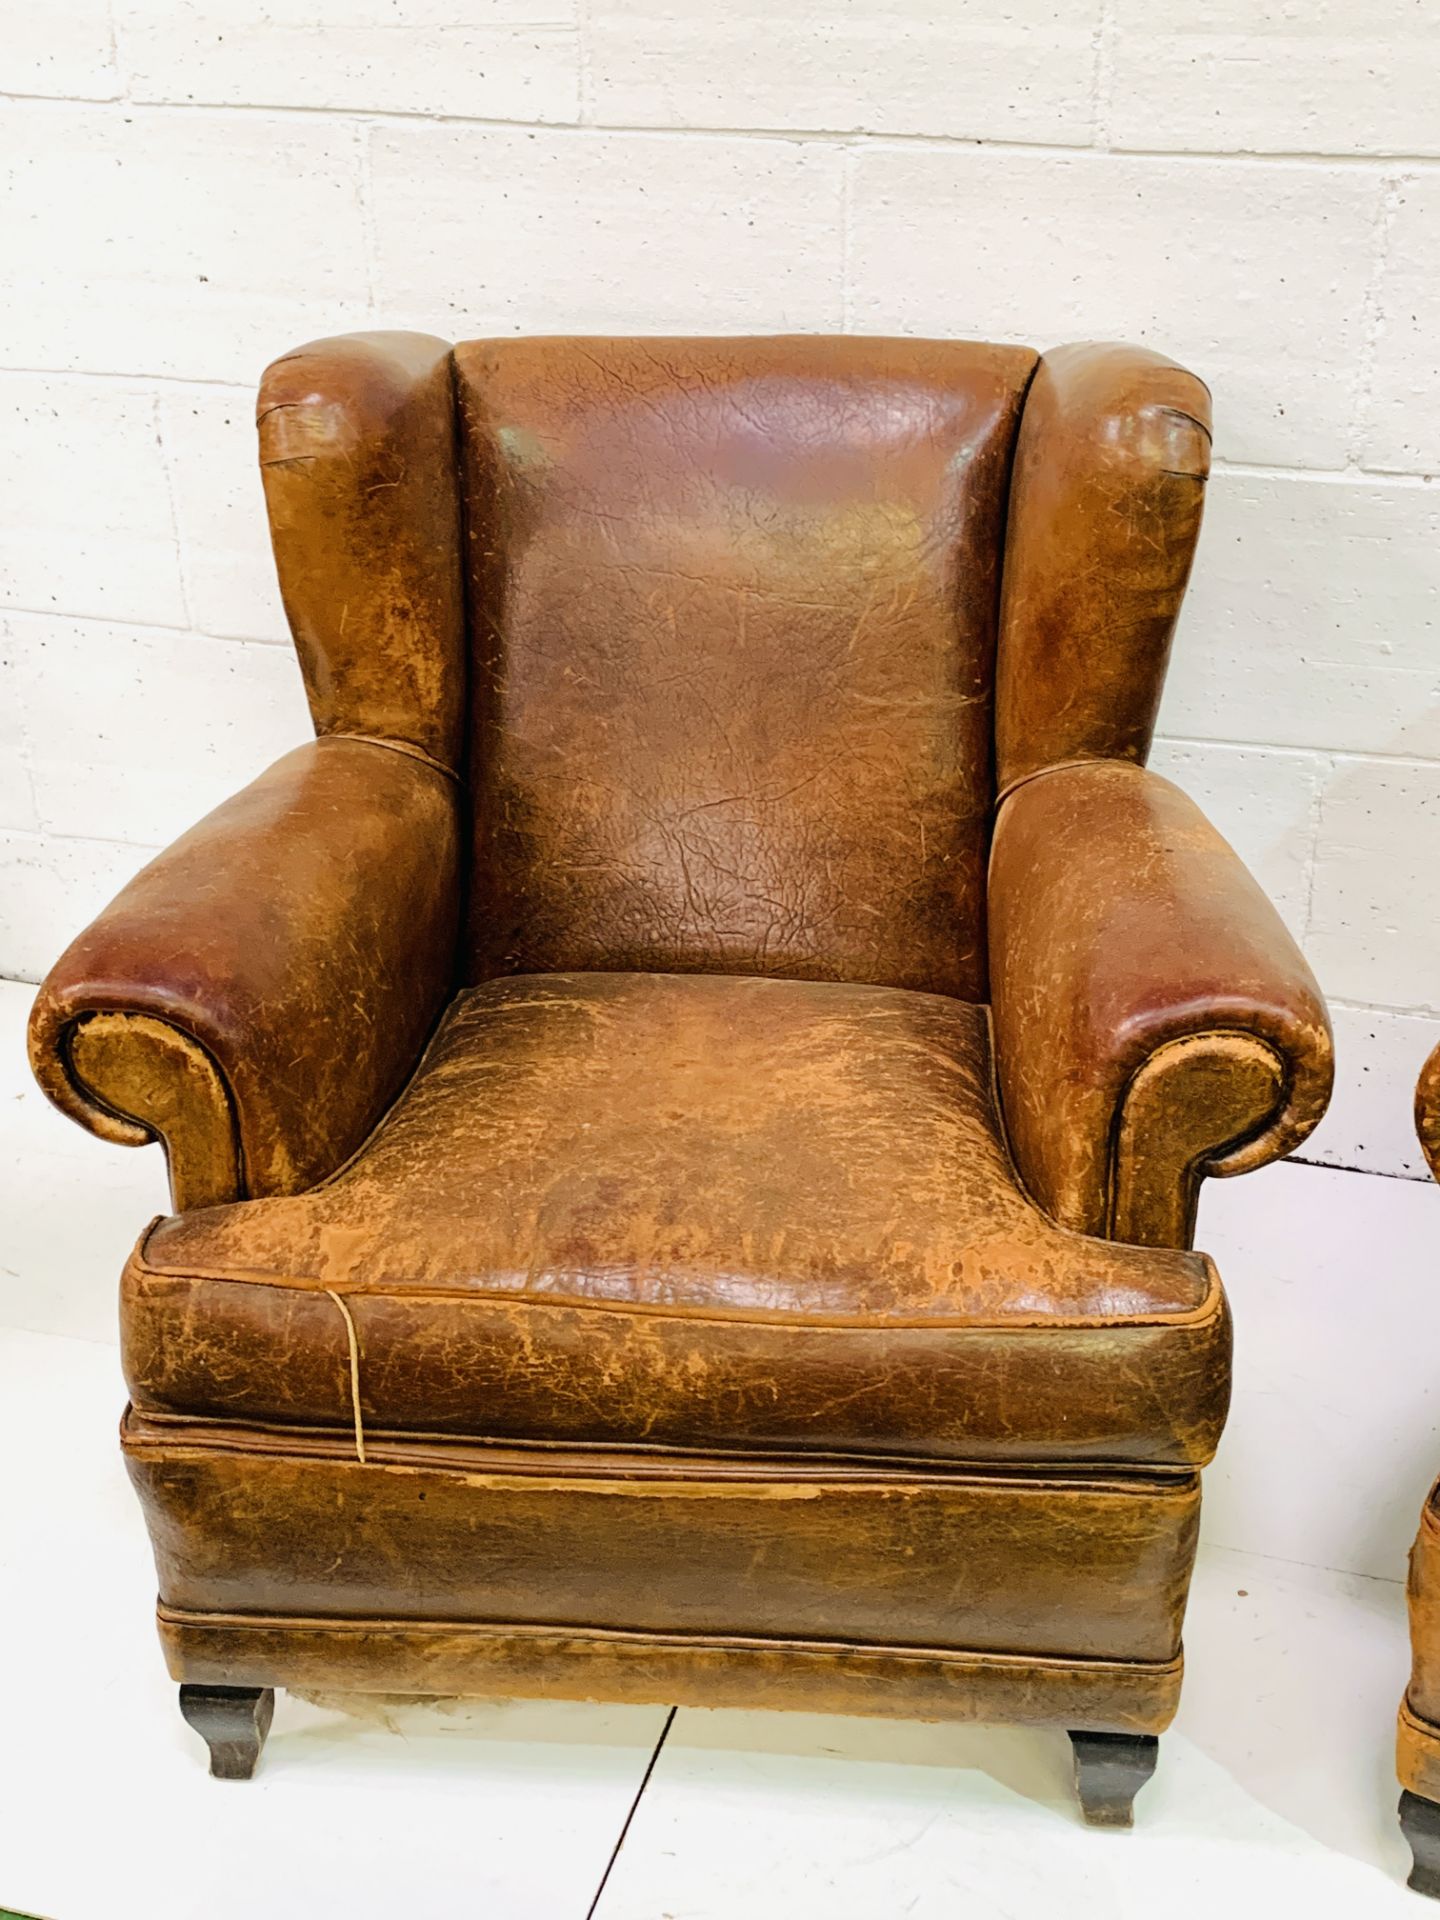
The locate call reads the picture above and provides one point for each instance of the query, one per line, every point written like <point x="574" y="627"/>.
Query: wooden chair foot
<point x="1110" y="1769"/>
<point x="233" y="1723"/>
<point x="1420" y="1824"/>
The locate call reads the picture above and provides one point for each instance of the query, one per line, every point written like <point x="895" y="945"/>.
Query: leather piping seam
<point x="1182" y="413"/>
<point x="185" y="1618"/>
<point x="1006" y="510"/>
<point x="1098" y="1481"/>
<point x="1062" y="766"/>
<point x="407" y="747"/>
<point x="89" y="1096"/>
<point x="661" y="1460"/>
<point x="1209" y="1309"/>
<point x="1416" y="1723"/>
<point x="1285" y="1072"/>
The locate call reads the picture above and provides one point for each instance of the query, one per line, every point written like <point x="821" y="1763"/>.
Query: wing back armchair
<point x="685" y="1103"/>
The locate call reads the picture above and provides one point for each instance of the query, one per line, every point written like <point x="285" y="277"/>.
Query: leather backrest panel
<point x="733" y="614"/>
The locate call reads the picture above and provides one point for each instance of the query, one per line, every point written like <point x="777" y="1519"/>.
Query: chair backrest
<point x="748" y="637"/>
<point x="733" y="615"/>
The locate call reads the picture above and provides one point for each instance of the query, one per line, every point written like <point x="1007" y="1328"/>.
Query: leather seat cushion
<point x="694" y="1212"/>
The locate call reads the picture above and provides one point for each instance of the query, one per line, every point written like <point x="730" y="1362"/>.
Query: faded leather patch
<point x="690" y="1210"/>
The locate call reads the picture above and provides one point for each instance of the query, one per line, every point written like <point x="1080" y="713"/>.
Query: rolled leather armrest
<point x="257" y="996"/>
<point x="1154" y="1022"/>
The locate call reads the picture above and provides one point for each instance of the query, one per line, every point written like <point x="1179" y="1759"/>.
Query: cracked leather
<point x="690" y="1211"/>
<point x="665" y="690"/>
<point x="1120" y="923"/>
<point x="1418" y="1733"/>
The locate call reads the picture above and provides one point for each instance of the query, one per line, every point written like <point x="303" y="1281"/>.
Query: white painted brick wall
<point x="191" y="186"/>
<point x="510" y="230"/>
<point x="1254" y="275"/>
<point x="986" y="70"/>
<point x="1267" y="76"/>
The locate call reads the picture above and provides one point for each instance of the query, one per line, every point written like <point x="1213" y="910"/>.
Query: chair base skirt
<point x="1041" y="1597"/>
<point x="450" y="1660"/>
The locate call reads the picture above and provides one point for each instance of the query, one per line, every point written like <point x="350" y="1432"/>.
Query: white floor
<point x="1275" y="1790"/>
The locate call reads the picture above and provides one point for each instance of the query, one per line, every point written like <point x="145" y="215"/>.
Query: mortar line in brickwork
<point x="837" y="136"/>
<point x="1313" y="751"/>
<point x="1103" y="76"/>
<point x="1315" y="822"/>
<point x="1380" y="1006"/>
<point x="847" y="205"/>
<point x="167" y="473"/>
<point x="1327" y="476"/>
<point x="584" y="88"/>
<point x="1373" y="308"/>
<point x="132" y="624"/>
<point x="243" y="389"/>
<point x="369" y="239"/>
<point x="149" y="848"/>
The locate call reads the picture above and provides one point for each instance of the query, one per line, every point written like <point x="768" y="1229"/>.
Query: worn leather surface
<point x="556" y="1663"/>
<point x="1189" y="1094"/>
<point x="734" y="606"/>
<point x="1417" y="1753"/>
<point x="298" y="944"/>
<point x="1427" y="1110"/>
<point x="1105" y="507"/>
<point x="1418" y="1733"/>
<point x="1121" y="923"/>
<point x="141" y="1065"/>
<point x="1089" y="1566"/>
<point x="357" y="452"/>
<point x="687" y="1331"/>
<point x="692" y="1211"/>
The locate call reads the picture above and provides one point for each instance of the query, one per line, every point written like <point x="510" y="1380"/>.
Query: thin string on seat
<point x="351" y="1336"/>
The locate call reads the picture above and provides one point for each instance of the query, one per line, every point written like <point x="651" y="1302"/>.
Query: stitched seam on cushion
<point x="1092" y="1478"/>
<point x="1210" y="1308"/>
<point x="522" y="1630"/>
<point x="1117" y="1119"/>
<point x="407" y="747"/>
<point x="1002" y="581"/>
<point x="1417" y="1723"/>
<point x="665" y="1461"/>
<point x="1062" y="766"/>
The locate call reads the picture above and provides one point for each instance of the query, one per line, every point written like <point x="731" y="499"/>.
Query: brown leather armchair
<point x="685" y="1104"/>
<point x="1417" y="1744"/>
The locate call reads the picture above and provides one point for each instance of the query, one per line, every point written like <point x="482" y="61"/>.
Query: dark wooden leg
<point x="233" y="1723"/>
<point x="1420" y="1824"/>
<point x="1110" y="1769"/>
